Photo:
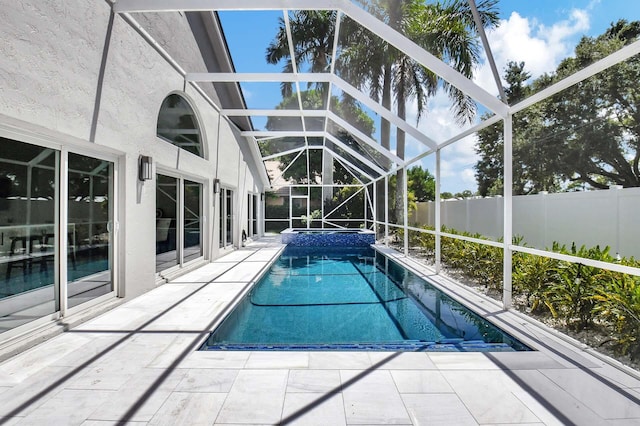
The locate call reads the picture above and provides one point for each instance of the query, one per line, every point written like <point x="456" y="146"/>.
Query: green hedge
<point x="580" y="296"/>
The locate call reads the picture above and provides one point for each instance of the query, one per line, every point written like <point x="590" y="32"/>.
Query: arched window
<point x="177" y="123"/>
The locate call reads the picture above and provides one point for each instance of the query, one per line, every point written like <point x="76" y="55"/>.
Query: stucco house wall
<point x="75" y="76"/>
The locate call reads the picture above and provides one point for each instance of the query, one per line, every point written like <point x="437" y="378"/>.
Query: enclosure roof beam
<point x="312" y="77"/>
<point x="282" y="133"/>
<point x="383" y="112"/>
<point x="130" y="6"/>
<point x="349" y="163"/>
<point x="364" y="138"/>
<point x="487" y="50"/>
<point x="424" y="58"/>
<point x="274" y="112"/>
<point x="280" y="154"/>
<point x="355" y="154"/>
<point x="356" y="13"/>
<point x="257" y="77"/>
<point x="616" y="57"/>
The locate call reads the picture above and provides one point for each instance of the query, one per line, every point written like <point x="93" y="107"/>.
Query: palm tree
<point x="447" y="30"/>
<point x="312" y="33"/>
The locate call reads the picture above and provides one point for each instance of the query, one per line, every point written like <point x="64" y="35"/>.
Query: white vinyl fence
<point x="605" y="218"/>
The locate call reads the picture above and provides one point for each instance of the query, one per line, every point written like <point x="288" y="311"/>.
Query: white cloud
<point x="458" y="159"/>
<point x="517" y="38"/>
<point x="541" y="47"/>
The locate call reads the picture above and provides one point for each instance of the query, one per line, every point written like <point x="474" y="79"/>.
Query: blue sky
<point x="539" y="32"/>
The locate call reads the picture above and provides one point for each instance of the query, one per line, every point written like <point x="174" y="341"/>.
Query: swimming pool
<point x="351" y="299"/>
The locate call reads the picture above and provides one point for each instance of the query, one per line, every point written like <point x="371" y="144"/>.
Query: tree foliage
<point x="588" y="134"/>
<point x="421" y="183"/>
<point x="445" y="29"/>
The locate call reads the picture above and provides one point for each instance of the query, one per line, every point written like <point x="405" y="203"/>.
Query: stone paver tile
<point x="514" y="424"/>
<point x="25" y="397"/>
<point x="242" y="274"/>
<point x="215" y="359"/>
<point x="127" y="318"/>
<point x="264" y="255"/>
<point x="257" y="396"/>
<point x="189" y="408"/>
<point x="462" y="361"/>
<point x="314" y="381"/>
<point x="31" y="361"/>
<point x="402" y="361"/>
<point x="310" y="409"/>
<point x="68" y="407"/>
<point x="550" y="403"/>
<point x="624" y="422"/>
<point x="204" y="274"/>
<point x="107" y="374"/>
<point x="236" y="256"/>
<point x="143" y="394"/>
<point x="613" y="374"/>
<point x="339" y="360"/>
<point x="372" y="398"/>
<point x="420" y="381"/>
<point x="207" y="380"/>
<point x="223" y="292"/>
<point x="180" y="347"/>
<point x="101" y="344"/>
<point x="437" y="409"/>
<point x="111" y="423"/>
<point x="532" y="360"/>
<point x="11" y="421"/>
<point x="606" y="401"/>
<point x="489" y="396"/>
<point x="278" y="360"/>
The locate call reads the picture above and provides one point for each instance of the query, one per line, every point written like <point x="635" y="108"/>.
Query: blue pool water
<point x="351" y="299"/>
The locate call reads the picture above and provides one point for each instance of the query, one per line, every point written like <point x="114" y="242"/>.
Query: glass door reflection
<point x="192" y="220"/>
<point x="89" y="229"/>
<point x="228" y="232"/>
<point x="28" y="200"/>
<point x="166" y="222"/>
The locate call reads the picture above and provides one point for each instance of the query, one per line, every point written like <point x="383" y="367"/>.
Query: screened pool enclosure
<point x="345" y="98"/>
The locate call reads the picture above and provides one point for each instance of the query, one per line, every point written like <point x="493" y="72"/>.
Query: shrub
<point x="534" y="277"/>
<point x="618" y="303"/>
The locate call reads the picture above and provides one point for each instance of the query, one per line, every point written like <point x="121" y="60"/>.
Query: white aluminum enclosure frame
<point x="502" y="111"/>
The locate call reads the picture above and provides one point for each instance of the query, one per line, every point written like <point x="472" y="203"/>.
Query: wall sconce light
<point x="145" y="168"/>
<point x="216" y="186"/>
<point x="262" y="196"/>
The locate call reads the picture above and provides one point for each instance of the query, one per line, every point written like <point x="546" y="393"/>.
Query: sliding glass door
<point x="29" y="200"/>
<point x="179" y="214"/>
<point x="89" y="239"/>
<point x="226" y="217"/>
<point x="55" y="253"/>
<point x="252" y="215"/>
<point x="192" y="220"/>
<point x="166" y="222"/>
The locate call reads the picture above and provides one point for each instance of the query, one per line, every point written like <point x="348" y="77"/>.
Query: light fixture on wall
<point x="145" y="168"/>
<point x="216" y="186"/>
<point x="262" y="196"/>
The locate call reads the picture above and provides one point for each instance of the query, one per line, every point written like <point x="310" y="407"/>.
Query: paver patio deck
<point x="136" y="364"/>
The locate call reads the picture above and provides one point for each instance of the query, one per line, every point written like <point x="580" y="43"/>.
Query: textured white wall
<point x="57" y="75"/>
<point x="604" y="218"/>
